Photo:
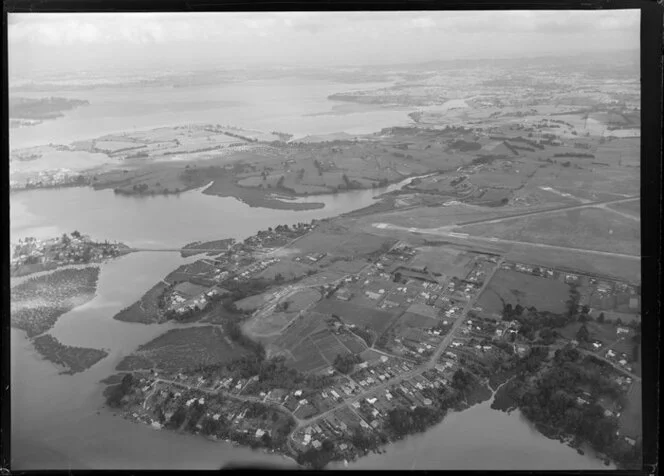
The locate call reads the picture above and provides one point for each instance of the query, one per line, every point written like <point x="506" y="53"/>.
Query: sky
<point x="70" y="42"/>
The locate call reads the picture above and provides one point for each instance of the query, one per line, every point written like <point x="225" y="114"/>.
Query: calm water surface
<point x="479" y="439"/>
<point x="296" y="106"/>
<point x="165" y="221"/>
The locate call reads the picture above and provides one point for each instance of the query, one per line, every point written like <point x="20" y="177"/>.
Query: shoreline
<point x="70" y="359"/>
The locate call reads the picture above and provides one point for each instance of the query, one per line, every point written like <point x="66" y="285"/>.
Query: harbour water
<point x="296" y="106"/>
<point x="163" y="221"/>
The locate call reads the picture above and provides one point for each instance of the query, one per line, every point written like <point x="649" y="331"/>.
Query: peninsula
<point x="31" y="255"/>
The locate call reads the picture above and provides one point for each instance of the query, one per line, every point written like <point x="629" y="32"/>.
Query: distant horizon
<point x="203" y="68"/>
<point x="66" y="43"/>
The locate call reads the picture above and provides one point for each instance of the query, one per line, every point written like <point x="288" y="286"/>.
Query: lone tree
<point x="600" y="318"/>
<point x="582" y="334"/>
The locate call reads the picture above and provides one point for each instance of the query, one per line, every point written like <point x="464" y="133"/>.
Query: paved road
<point x="455" y="327"/>
<point x="244" y="398"/>
<point x="549" y="210"/>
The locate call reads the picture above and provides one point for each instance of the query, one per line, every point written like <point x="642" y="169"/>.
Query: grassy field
<point x="299" y="330"/>
<point x="423" y="310"/>
<point x="288" y="269"/>
<point x="187" y="348"/>
<point x="432" y="217"/>
<point x="376" y="320"/>
<point x="622" y="268"/>
<point x="443" y="260"/>
<point x="195" y="248"/>
<point x="587" y="228"/>
<point x="224" y="186"/>
<point x="409" y="319"/>
<point x="144" y="310"/>
<point x="266" y="326"/>
<point x="361" y="244"/>
<point x="630" y="419"/>
<point x="371" y="356"/>
<point x="605" y="333"/>
<point x="613" y="316"/>
<point x="633" y="207"/>
<point x="303" y="299"/>
<point x="348" y="267"/>
<point x="341" y="242"/>
<point x="519" y="288"/>
<point x="320" y="240"/>
<point x="192" y="270"/>
<point x="251" y="303"/>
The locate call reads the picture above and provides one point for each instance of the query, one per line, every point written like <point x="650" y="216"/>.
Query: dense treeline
<point x="552" y="404"/>
<point x="580" y="155"/>
<point x="115" y="393"/>
<point x="346" y="363"/>
<point x="272" y="373"/>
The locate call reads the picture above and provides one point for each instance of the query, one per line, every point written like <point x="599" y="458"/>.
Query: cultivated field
<point x="307" y="357"/>
<point x="288" y="269"/>
<point x="329" y="345"/>
<point x="352" y="343"/>
<point x="511" y="287"/>
<point x="299" y="330"/>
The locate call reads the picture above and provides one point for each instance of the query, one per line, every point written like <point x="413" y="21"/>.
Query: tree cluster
<point x="346" y="363"/>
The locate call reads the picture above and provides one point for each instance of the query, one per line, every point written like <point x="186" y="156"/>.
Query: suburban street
<point x="421" y="368"/>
